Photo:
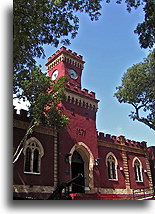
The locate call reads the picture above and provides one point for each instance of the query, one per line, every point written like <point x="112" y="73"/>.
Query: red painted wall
<point x="104" y="181"/>
<point x="72" y="134"/>
<point x="47" y="168"/>
<point x="151" y="153"/>
<point x="134" y="184"/>
<point x="81" y="128"/>
<point x="63" y="68"/>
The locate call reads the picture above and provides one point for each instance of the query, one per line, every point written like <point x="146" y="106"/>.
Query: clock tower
<point x="77" y="144"/>
<point x="66" y="62"/>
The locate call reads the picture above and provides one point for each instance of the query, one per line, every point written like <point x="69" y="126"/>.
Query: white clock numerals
<point x="54" y="75"/>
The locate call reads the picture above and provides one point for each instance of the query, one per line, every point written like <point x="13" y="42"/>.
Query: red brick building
<point x="113" y="167"/>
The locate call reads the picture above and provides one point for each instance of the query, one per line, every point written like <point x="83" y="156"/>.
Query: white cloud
<point x="20" y="104"/>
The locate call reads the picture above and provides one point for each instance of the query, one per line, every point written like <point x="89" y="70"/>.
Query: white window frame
<point x="33" y="144"/>
<point x="116" y="164"/>
<point x="138" y="172"/>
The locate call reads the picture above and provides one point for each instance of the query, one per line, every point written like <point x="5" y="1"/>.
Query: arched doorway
<point x="88" y="160"/>
<point x="77" y="166"/>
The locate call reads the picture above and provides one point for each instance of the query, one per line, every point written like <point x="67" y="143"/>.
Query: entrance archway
<point x="77" y="166"/>
<point x="88" y="160"/>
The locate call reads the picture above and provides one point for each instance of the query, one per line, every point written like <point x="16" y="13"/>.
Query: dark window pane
<point x="139" y="173"/>
<point x="135" y="169"/>
<point x="28" y="160"/>
<point x="36" y="161"/>
<point x="113" y="170"/>
<point x="109" y="174"/>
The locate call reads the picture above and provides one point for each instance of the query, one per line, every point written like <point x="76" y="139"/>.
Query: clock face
<point x="72" y="74"/>
<point x="54" y="75"/>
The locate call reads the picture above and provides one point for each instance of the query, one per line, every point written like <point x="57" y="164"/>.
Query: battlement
<point x="120" y="140"/>
<point x="81" y="97"/>
<point x="83" y="91"/>
<point x="70" y="52"/>
<point x="21" y="114"/>
<point x="102" y="137"/>
<point x="66" y="56"/>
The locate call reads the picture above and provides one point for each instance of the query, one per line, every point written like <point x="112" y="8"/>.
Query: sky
<point x="109" y="47"/>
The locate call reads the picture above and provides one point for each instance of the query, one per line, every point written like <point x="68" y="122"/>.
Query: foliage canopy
<point x="138" y="89"/>
<point x="39" y="22"/>
<point x="44" y="97"/>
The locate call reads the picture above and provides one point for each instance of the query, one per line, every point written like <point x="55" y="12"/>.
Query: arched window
<point x="36" y="161"/>
<point x="28" y="160"/>
<point x="138" y="169"/>
<point x="111" y="163"/>
<point x="33" y="152"/>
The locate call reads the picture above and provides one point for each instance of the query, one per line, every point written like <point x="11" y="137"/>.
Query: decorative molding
<point x="126" y="169"/>
<point x="55" y="161"/>
<point x="116" y="164"/>
<point x="81" y="100"/>
<point x="65" y="56"/>
<point x="113" y="191"/>
<point x="133" y="162"/>
<point x="41" y="129"/>
<point x="121" y="147"/>
<point x="111" y="154"/>
<point x="121" y="191"/>
<point x="120" y="140"/>
<point x="34" y="188"/>
<point x="148" y="171"/>
<point x="88" y="158"/>
<point x="33" y="139"/>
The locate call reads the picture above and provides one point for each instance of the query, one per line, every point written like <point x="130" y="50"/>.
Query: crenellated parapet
<point x="83" y="91"/>
<point x="81" y="97"/>
<point x="66" y="56"/>
<point x="120" y="140"/>
<point x="21" y="120"/>
<point x="20" y="115"/>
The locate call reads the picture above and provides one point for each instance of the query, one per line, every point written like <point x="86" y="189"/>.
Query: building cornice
<point x="41" y="129"/>
<point x="65" y="56"/>
<point x="122" y="147"/>
<point x="81" y="99"/>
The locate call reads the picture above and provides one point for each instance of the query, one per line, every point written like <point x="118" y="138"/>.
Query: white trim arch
<point x="112" y="154"/>
<point x="33" y="139"/>
<point x="112" y="163"/>
<point x="136" y="158"/>
<point x="88" y="159"/>
<point x="33" y="152"/>
<point x="137" y="166"/>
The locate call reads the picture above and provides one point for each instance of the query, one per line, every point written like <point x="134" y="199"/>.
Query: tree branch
<point x="21" y="145"/>
<point x="146" y="122"/>
<point x="142" y="119"/>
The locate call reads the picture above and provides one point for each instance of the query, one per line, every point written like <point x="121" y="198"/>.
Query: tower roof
<point x="65" y="55"/>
